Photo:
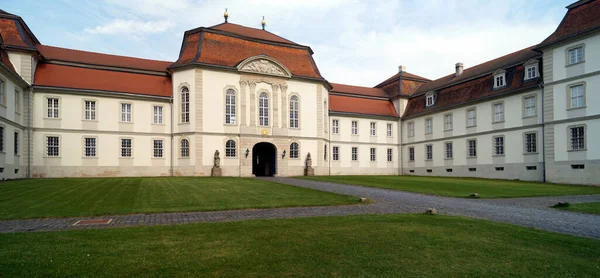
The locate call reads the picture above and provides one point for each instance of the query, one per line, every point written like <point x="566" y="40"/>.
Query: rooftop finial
<point x="263" y="22"/>
<point x="226" y="15"/>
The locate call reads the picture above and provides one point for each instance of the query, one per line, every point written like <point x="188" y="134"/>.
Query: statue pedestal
<point x="309" y="171"/>
<point x="215" y="172"/>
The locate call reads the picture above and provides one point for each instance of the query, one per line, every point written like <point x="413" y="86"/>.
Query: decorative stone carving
<point x="216" y="169"/>
<point x="308" y="170"/>
<point x="263" y="64"/>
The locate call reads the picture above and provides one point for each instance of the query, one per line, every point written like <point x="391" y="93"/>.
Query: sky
<point x="355" y="42"/>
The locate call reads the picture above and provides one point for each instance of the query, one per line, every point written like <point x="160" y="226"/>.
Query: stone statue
<point x="217" y="159"/>
<point x="308" y="161"/>
<point x="308" y="170"/>
<point x="216" y="169"/>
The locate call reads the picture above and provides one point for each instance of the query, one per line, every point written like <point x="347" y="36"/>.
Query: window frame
<point x="570" y="92"/>
<point x="474" y="153"/>
<point x="16" y="144"/>
<point x="56" y="109"/>
<point x="502" y="77"/>
<point x="568" y="54"/>
<point x="496" y="146"/>
<point x="160" y="150"/>
<point x="295" y="153"/>
<point x="91" y="111"/>
<point x="184" y="105"/>
<point x="428" y="152"/>
<point x="122" y="113"/>
<point x="17" y="101"/>
<point x="474" y="109"/>
<point x="524" y="101"/>
<point x="335" y="126"/>
<point x="121" y="148"/>
<point x="294" y="113"/>
<point x="186" y="148"/>
<point x="449" y="152"/>
<point x="85" y="147"/>
<point x="446" y="117"/>
<point x="161" y="116"/>
<point x="410" y="129"/>
<point x="411" y="154"/>
<point x="373" y="129"/>
<point x="231" y="102"/>
<point x="354" y="128"/>
<point x="2" y="91"/>
<point x="494" y="112"/>
<point x="390" y="155"/>
<point x="2" y="138"/>
<point x="389" y="130"/>
<point x="264" y="106"/>
<point x="570" y="138"/>
<point x="429" y="125"/>
<point x="231" y="148"/>
<point x="354" y="153"/>
<point x="373" y="154"/>
<point x="47" y="146"/>
<point x="335" y="153"/>
<point x="526" y="148"/>
<point x="535" y="69"/>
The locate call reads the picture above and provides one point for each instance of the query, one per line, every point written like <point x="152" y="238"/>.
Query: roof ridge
<point x="283" y="40"/>
<point x="115" y="55"/>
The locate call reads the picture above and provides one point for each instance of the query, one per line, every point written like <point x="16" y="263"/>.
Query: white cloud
<point x="120" y="26"/>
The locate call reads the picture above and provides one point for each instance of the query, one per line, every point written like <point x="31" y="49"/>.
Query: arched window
<point x="185" y="148"/>
<point x="294" y="150"/>
<point x="230" y="107"/>
<point x="325" y="153"/>
<point x="294" y="108"/>
<point x="185" y="105"/>
<point x="230" y="150"/>
<point x="263" y="109"/>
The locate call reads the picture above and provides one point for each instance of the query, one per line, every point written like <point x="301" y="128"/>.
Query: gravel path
<point x="529" y="212"/>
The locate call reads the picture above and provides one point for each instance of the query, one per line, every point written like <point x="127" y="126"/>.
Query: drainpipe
<point x="173" y="150"/>
<point x="543" y="136"/>
<point x="29" y="114"/>
<point x="329" y="143"/>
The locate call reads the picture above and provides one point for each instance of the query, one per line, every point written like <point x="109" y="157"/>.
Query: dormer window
<point x="499" y="79"/>
<point x="429" y="99"/>
<point x="531" y="69"/>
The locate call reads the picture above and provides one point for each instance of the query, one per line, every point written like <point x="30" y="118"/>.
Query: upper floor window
<point x="230" y="148"/>
<point x="531" y="142"/>
<point x="389" y="130"/>
<point x="185" y="148"/>
<point x="499" y="79"/>
<point x="52" y="107"/>
<point x="294" y="150"/>
<point x="577" y="96"/>
<point x="263" y="109"/>
<point x="126" y="112"/>
<point x="373" y="129"/>
<point x="17" y="101"/>
<point x="577" y="138"/>
<point x="157" y="117"/>
<point x="448" y="122"/>
<point x="230" y="107"/>
<point x="429" y="99"/>
<point x="2" y="93"/>
<point x="471" y="117"/>
<point x="428" y="126"/>
<point x="498" y="112"/>
<point x="411" y="129"/>
<point x="354" y="127"/>
<point x="531" y="71"/>
<point x="529" y="106"/>
<point x="294" y="112"/>
<point x="89" y="110"/>
<point x="576" y="55"/>
<point x="185" y="105"/>
<point x="335" y="126"/>
<point x="411" y="154"/>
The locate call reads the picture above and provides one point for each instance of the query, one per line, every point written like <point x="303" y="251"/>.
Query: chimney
<point x="401" y="68"/>
<point x="459" y="69"/>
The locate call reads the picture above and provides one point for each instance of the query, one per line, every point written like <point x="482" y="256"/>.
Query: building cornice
<point x="100" y="93"/>
<point x="364" y="116"/>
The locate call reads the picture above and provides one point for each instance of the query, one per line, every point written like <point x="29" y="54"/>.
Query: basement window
<point x="472" y="169"/>
<point x="577" y="166"/>
<point x="411" y="171"/>
<point x="1" y="170"/>
<point x="16" y="171"/>
<point x="429" y="170"/>
<point x="499" y="168"/>
<point x="531" y="167"/>
<point x="449" y="170"/>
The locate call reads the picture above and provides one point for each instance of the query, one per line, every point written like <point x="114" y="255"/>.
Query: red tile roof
<point x="358" y="105"/>
<point x="404" y="74"/>
<point x="250" y="32"/>
<point x="61" y="76"/>
<point x="581" y="17"/>
<point x="9" y="30"/>
<point x="356" y="90"/>
<point x="223" y="50"/>
<point x="93" y="58"/>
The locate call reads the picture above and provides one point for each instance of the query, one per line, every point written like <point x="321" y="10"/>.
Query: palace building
<point x="261" y="102"/>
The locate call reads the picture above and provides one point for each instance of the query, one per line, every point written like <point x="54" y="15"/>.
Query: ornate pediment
<point x="263" y="64"/>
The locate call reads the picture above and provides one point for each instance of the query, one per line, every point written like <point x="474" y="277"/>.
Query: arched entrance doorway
<point x="264" y="162"/>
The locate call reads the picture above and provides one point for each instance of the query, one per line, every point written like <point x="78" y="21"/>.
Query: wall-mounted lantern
<point x="283" y="156"/>
<point x="247" y="152"/>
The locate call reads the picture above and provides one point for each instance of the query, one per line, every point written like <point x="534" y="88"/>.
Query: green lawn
<point x="584" y="207"/>
<point x="37" y="198"/>
<point x="462" y="187"/>
<point x="387" y="245"/>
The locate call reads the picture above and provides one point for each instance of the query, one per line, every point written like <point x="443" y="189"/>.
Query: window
<point x="373" y="129"/>
<point x="429" y="99"/>
<point x="531" y="168"/>
<point x="390" y="155"/>
<point x="185" y="148"/>
<point x="577" y="96"/>
<point x="578" y="166"/>
<point x="158" y="148"/>
<point x="428" y="152"/>
<point x="335" y="127"/>
<point x="263" y="109"/>
<point x="530" y="143"/>
<point x="577" y="138"/>
<point x="325" y="152"/>
<point x="411" y="129"/>
<point x="17" y="101"/>
<point x="472" y="169"/>
<point x="530" y="106"/>
<point x="471" y="118"/>
<point x="499" y="80"/>
<point x="336" y="153"/>
<point x="126" y="145"/>
<point x="428" y="126"/>
<point x="449" y="150"/>
<point x="354" y="154"/>
<point x="411" y="154"/>
<point x="16" y="146"/>
<point x="294" y="112"/>
<point x="449" y="170"/>
<point x="294" y="150"/>
<point x="52" y="108"/>
<point x="354" y="128"/>
<point x="1" y="138"/>
<point x="157" y="115"/>
<point x="185" y="105"/>
<point x="2" y="94"/>
<point x="230" y="107"/>
<point x="472" y="148"/>
<point x="531" y="71"/>
<point x="52" y="146"/>
<point x="231" y="149"/>
<point x="499" y="168"/>
<point x="373" y="154"/>
<point x="389" y="130"/>
<point x="126" y="112"/>
<point x="89" y="110"/>
<point x="576" y="55"/>
<point x="89" y="147"/>
<point x="429" y="170"/>
<point x="448" y="122"/>
<point x="499" y="145"/>
<point x="498" y="112"/>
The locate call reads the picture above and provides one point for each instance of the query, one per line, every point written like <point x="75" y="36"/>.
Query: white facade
<point x="13" y="153"/>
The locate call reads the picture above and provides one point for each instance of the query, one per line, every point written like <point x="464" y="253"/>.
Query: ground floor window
<point x="336" y="153"/>
<point x="52" y="146"/>
<point x="126" y="145"/>
<point x="230" y="148"/>
<point x="530" y="142"/>
<point x="373" y="154"/>
<point x="354" y="154"/>
<point x="294" y="150"/>
<point x="89" y="147"/>
<point x="158" y="148"/>
<point x="185" y="148"/>
<point x="390" y="154"/>
<point x="577" y="138"/>
<point x="499" y="145"/>
<point x="428" y="152"/>
<point x="411" y="154"/>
